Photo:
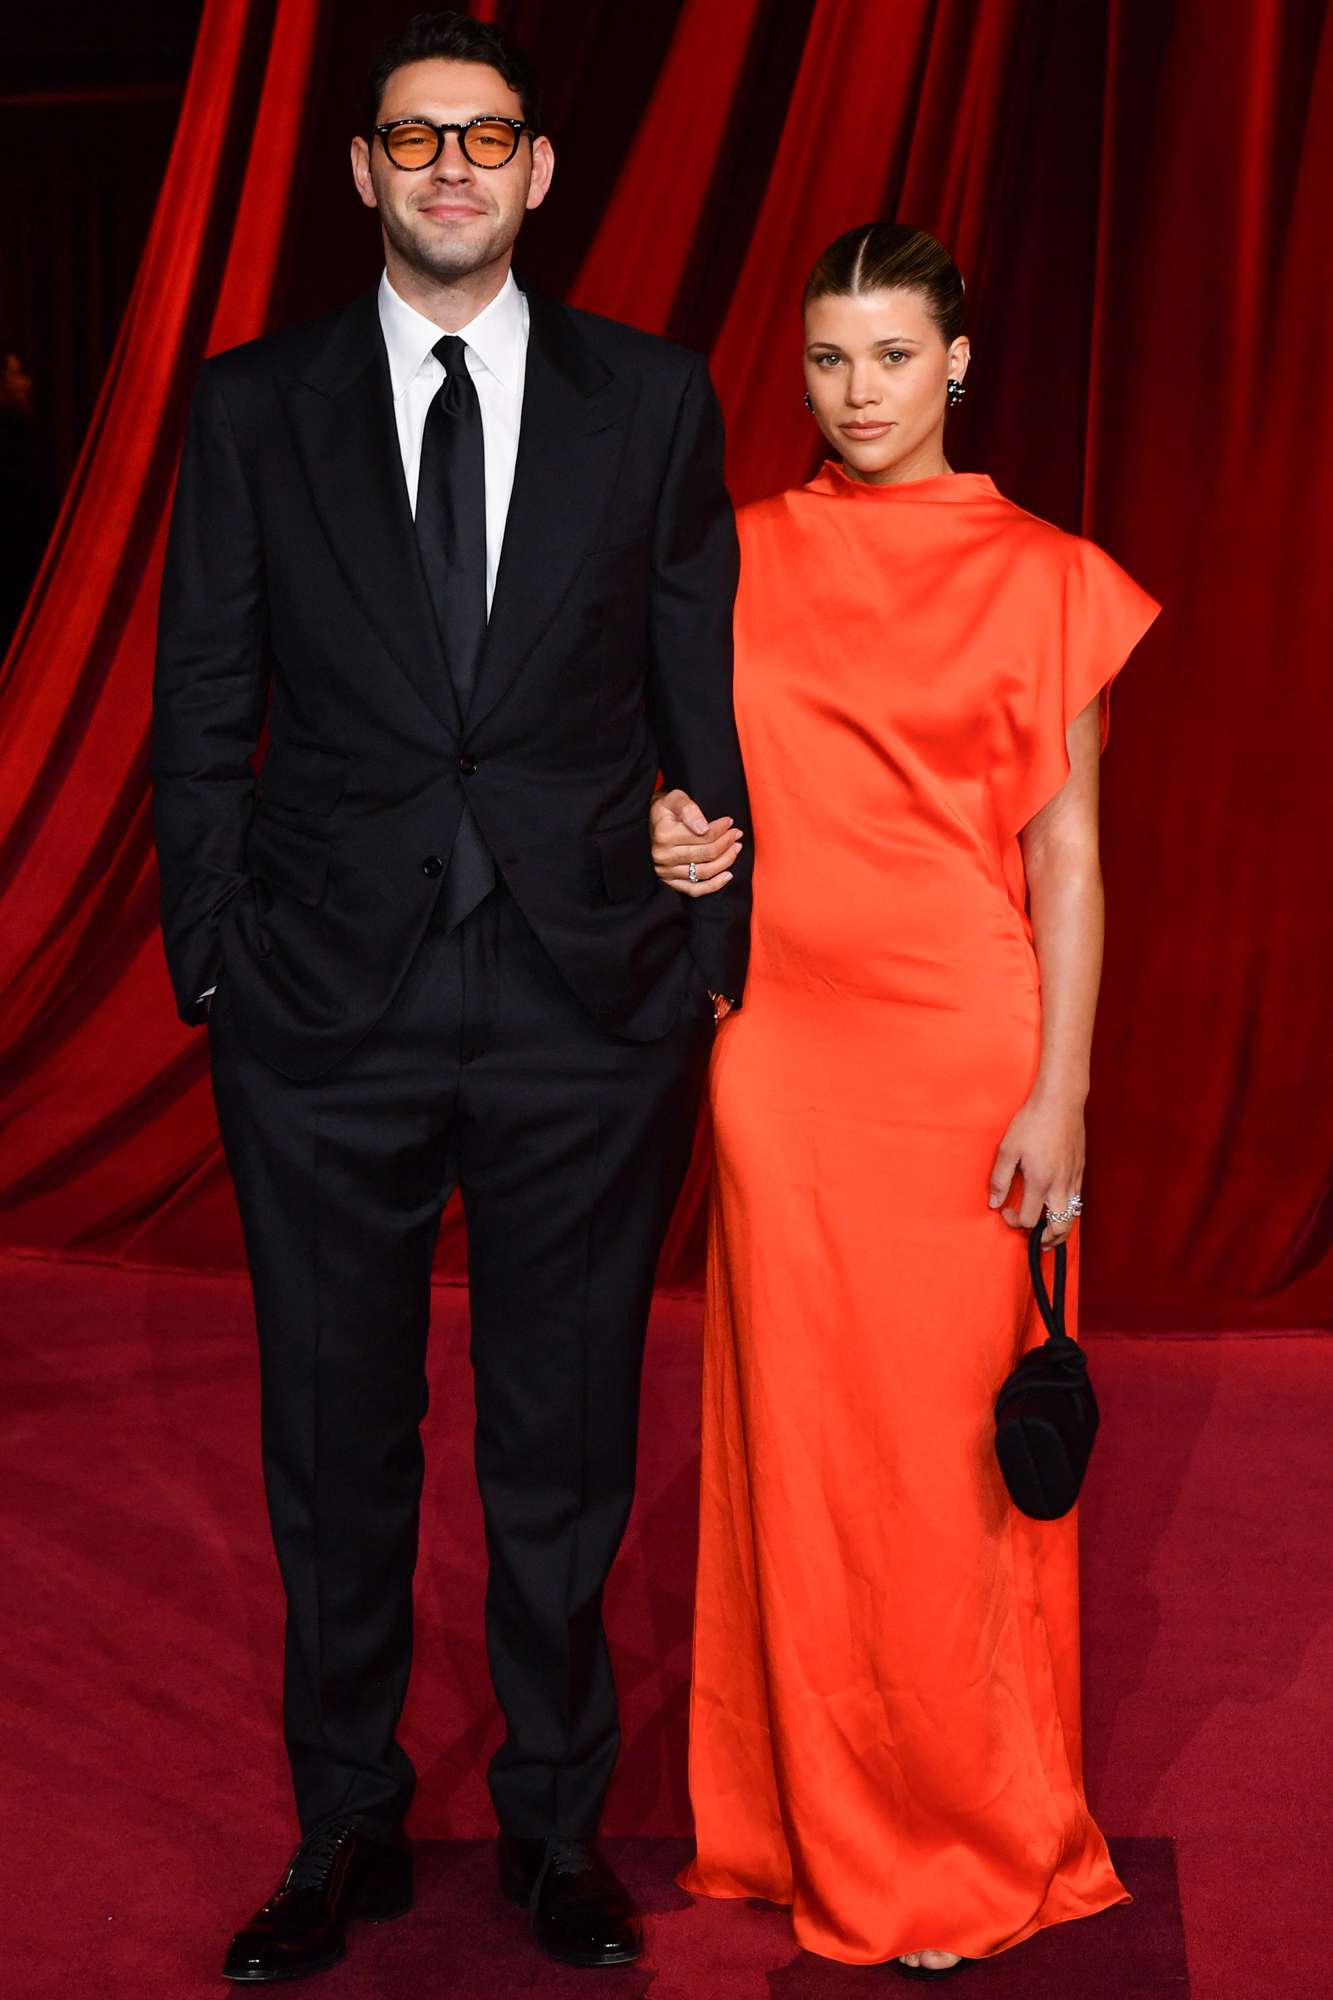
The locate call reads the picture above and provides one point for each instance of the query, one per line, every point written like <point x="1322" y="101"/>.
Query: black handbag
<point x="1046" y="1414"/>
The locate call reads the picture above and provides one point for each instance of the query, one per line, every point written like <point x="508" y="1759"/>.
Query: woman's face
<point x="877" y="370"/>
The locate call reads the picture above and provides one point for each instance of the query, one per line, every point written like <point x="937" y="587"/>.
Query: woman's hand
<point x="1045" y="1143"/>
<point x="681" y="836"/>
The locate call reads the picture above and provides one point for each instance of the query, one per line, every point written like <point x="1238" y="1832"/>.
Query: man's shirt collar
<point x="497" y="337"/>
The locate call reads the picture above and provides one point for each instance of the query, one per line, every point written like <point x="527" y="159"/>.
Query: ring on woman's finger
<point x="1069" y="1213"/>
<point x="694" y="871"/>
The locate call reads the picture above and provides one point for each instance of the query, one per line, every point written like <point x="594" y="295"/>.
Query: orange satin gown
<point x="885" y="1722"/>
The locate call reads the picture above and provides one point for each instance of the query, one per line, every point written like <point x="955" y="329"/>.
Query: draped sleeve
<point x="1100" y="615"/>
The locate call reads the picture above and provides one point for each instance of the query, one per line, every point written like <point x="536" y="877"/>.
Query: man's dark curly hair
<point x="455" y="37"/>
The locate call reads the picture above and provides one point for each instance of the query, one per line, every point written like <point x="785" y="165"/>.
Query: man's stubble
<point x="441" y="260"/>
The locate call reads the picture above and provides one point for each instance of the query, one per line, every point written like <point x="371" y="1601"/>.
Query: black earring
<point x="957" y="391"/>
<point x="808" y="404"/>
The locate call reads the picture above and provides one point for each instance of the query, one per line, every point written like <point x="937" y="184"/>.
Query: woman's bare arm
<point x="1045" y="1139"/>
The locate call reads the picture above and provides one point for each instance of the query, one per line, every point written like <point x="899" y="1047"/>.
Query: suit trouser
<point x="569" y="1147"/>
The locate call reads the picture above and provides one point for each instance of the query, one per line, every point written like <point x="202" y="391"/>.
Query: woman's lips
<point x="864" y="430"/>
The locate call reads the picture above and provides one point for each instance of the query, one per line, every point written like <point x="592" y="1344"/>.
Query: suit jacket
<point x="293" y="592"/>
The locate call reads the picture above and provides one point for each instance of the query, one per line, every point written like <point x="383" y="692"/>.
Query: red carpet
<point x="146" y="1793"/>
<point x="460" y="1943"/>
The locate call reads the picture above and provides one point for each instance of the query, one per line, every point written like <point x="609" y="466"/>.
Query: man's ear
<point x="365" y="185"/>
<point x="543" y="170"/>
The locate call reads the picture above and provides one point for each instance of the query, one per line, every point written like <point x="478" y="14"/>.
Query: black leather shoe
<point x="335" y="1874"/>
<point x="580" y="1913"/>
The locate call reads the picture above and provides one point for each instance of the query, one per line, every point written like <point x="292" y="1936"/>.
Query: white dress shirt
<point x="497" y="359"/>
<point x="496" y="343"/>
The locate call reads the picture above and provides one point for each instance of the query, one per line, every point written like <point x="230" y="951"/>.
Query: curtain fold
<point x="1140" y="200"/>
<point x="634" y="273"/>
<point x="1208" y="472"/>
<point x="106" y="1106"/>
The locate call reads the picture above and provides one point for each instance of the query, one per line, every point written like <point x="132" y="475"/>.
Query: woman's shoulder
<point x="1042" y="540"/>
<point x="766" y="528"/>
<point x="1073" y="571"/>
<point x="1062" y="552"/>
<point x="759" y="514"/>
<point x="783" y="520"/>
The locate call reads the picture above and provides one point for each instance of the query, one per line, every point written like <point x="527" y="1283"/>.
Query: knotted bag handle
<point x="1051" y="1305"/>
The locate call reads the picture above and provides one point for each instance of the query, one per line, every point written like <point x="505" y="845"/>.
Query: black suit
<point x="546" y="1055"/>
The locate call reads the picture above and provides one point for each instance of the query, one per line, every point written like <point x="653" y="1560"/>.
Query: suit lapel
<point x="342" y="416"/>
<point x="570" y="441"/>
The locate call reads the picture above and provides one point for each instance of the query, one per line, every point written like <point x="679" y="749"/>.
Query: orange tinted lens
<point x="489" y="145"/>
<point x="411" y="145"/>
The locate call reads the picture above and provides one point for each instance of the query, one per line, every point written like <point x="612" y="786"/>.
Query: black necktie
<point x="451" y="533"/>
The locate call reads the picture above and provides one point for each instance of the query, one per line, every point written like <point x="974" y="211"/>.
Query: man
<point x="474" y="553"/>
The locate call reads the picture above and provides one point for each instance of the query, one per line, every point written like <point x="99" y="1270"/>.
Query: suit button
<point x="468" y="766"/>
<point x="432" y="865"/>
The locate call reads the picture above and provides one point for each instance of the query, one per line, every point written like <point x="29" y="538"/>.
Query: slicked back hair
<point x="891" y="256"/>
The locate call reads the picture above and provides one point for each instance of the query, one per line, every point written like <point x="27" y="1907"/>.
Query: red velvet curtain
<point x="1140" y="198"/>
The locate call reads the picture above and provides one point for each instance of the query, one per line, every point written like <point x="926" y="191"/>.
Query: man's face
<point x="451" y="219"/>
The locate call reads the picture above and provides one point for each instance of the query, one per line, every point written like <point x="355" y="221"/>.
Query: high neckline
<point x="947" y="486"/>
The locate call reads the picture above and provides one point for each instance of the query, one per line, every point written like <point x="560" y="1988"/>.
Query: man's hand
<point x="684" y="841"/>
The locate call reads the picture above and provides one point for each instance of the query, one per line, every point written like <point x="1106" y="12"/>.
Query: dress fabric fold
<point x="885" y="1728"/>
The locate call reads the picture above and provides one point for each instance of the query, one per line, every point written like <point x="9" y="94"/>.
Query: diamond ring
<point x="694" y="871"/>
<point x="1074" y="1209"/>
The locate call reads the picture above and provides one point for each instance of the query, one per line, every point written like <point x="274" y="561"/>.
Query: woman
<point x="885" y="1711"/>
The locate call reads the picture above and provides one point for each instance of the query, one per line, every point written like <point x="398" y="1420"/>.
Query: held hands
<point x="682" y="835"/>
<point x="1045" y="1143"/>
<point x="693" y="855"/>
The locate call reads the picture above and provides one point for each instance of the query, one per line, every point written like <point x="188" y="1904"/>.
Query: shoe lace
<point x="570" y="1857"/>
<point x="313" y="1862"/>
